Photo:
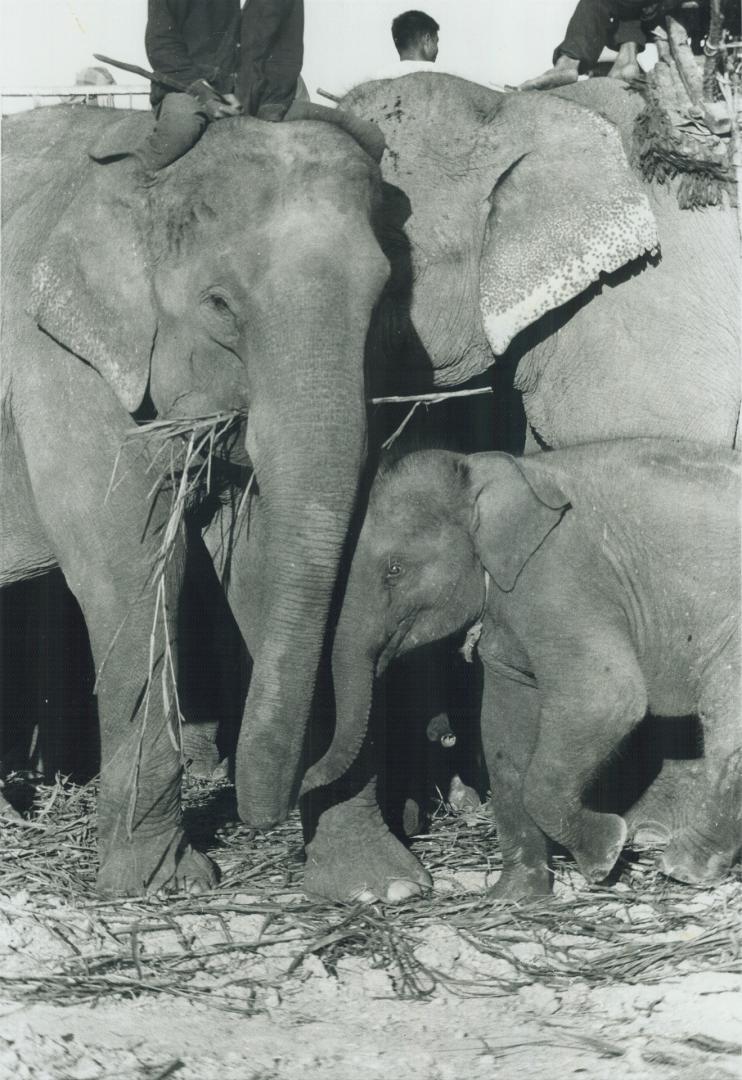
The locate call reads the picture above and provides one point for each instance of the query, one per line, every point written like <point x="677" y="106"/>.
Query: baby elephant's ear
<point x="515" y="509"/>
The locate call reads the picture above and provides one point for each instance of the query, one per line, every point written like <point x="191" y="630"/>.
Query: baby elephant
<point x="607" y="581"/>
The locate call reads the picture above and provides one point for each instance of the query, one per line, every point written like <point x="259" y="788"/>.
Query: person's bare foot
<point x="626" y="65"/>
<point x="564" y="72"/>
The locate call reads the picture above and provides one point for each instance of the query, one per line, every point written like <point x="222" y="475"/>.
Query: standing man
<point x="415" y="36"/>
<point x="214" y="49"/>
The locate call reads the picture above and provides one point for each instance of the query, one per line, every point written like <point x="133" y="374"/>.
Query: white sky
<point x="45" y="42"/>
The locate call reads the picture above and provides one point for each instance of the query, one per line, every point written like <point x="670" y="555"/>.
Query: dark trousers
<point x="271" y="55"/>
<point x="179" y="124"/>
<point x="596" y="24"/>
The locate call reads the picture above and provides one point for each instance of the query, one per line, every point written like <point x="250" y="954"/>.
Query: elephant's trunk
<point x="308" y="456"/>
<point x="354" y="671"/>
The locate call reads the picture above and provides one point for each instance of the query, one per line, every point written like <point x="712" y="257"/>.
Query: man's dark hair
<point x="410" y="26"/>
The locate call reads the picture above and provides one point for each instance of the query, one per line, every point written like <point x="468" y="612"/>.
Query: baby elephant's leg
<point x="509" y="732"/>
<point x="595" y="699"/>
<point x="710" y="842"/>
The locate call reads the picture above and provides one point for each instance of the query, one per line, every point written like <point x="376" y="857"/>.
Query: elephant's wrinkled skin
<point x="525" y="226"/>
<point x="607" y="577"/>
<point x="244" y="276"/>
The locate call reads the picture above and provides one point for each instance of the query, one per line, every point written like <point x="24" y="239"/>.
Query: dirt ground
<point x="640" y="978"/>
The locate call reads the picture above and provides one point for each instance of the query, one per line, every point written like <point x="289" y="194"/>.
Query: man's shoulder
<point x="401" y="67"/>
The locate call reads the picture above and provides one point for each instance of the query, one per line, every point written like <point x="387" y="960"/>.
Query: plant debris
<point x="256" y="934"/>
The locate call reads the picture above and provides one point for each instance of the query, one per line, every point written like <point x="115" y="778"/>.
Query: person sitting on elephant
<point x="415" y="36"/>
<point x="595" y="24"/>
<point x="213" y="49"/>
<point x="271" y="55"/>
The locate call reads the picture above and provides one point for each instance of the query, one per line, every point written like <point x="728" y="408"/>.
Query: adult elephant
<point x="525" y="229"/>
<point x="243" y="276"/>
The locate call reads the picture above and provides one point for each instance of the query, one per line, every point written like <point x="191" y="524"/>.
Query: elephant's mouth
<point x="394" y="645"/>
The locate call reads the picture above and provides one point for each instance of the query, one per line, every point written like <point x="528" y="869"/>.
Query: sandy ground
<point x="230" y="987"/>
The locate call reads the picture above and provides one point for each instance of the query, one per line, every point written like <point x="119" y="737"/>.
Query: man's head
<point x="415" y="36"/>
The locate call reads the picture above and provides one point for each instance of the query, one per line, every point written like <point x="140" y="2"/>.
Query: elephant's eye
<point x="393" y="568"/>
<point x="218" y="304"/>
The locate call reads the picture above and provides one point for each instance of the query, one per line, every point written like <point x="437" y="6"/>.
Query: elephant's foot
<point x="518" y="883"/>
<point x="602" y="837"/>
<point x="649" y="833"/>
<point x="200" y="751"/>
<point x="353" y="856"/>
<point x="414" y="819"/>
<point x="156" y="865"/>
<point x="687" y="858"/>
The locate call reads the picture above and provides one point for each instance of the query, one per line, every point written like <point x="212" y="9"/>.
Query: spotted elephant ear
<point x="514" y="510"/>
<point x="91" y="289"/>
<point x="567" y="210"/>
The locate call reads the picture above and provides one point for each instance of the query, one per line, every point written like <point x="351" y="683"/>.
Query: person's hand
<point x="230" y="106"/>
<point x="215" y="106"/>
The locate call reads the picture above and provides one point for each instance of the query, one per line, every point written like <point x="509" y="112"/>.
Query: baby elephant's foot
<point x="521" y="883"/>
<point x="156" y="865"/>
<point x="353" y="856"/>
<point x="601" y="839"/>
<point x="688" y="859"/>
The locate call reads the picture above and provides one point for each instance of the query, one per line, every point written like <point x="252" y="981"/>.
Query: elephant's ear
<point x="514" y="510"/>
<point x="567" y="210"/>
<point x="90" y="288"/>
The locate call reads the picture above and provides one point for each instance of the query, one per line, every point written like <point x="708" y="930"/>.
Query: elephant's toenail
<point x="365" y="896"/>
<point x="651" y="832"/>
<point x="401" y="890"/>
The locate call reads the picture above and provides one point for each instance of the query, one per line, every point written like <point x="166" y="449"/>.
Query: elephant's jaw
<point x="401" y="641"/>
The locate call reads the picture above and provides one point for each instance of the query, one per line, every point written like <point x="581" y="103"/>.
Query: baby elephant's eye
<point x="393" y="567"/>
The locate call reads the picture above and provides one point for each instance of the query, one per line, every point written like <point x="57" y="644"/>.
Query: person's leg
<point x="271" y="54"/>
<point x="179" y="124"/>
<point x="283" y="65"/>
<point x="587" y="33"/>
<point x="629" y="39"/>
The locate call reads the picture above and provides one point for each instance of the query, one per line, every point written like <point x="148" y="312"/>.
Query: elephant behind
<point x="241" y="278"/>
<point x="523" y="230"/>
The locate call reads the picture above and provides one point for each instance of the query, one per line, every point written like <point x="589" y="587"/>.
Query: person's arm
<point x="166" y="50"/>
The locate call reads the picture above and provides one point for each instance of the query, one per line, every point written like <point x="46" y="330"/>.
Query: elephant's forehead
<point x="235" y="148"/>
<point x="212" y="183"/>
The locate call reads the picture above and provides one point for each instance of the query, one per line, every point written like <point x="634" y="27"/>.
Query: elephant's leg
<point x="105" y="541"/>
<point x="213" y="667"/>
<point x="664" y="809"/>
<point x="587" y="708"/>
<point x="704" y="849"/>
<point x="509" y="733"/>
<point x="353" y="855"/>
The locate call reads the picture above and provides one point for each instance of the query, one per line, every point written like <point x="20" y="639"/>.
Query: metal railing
<point x="82" y="93"/>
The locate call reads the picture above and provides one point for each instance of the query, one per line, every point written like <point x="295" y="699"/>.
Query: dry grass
<point x="255" y="933"/>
